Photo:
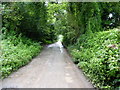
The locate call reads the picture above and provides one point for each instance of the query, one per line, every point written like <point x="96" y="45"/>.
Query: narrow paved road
<point x="51" y="69"/>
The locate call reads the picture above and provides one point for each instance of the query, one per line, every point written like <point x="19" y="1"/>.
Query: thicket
<point x="28" y="18"/>
<point x="24" y="29"/>
<point x="88" y="17"/>
<point x="56" y="13"/>
<point x="94" y="48"/>
<point x="98" y="56"/>
<point x="17" y="51"/>
<point x="85" y="27"/>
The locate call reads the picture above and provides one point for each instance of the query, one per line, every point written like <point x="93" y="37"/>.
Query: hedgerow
<point x="98" y="56"/>
<point x="17" y="51"/>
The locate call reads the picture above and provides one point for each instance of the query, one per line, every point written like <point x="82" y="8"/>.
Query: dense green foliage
<point x="84" y="25"/>
<point x="28" y="18"/>
<point x="87" y="17"/>
<point x="94" y="49"/>
<point x="56" y="18"/>
<point x="98" y="56"/>
<point x="17" y="51"/>
<point x="22" y="23"/>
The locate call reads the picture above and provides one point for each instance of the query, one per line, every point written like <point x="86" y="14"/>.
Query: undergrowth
<point x="98" y="56"/>
<point x="17" y="51"/>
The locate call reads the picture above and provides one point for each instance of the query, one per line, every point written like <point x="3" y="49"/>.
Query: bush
<point x="97" y="55"/>
<point x="17" y="51"/>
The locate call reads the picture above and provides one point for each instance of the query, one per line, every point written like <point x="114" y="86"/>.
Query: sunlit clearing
<point x="110" y="15"/>
<point x="60" y="38"/>
<point x="58" y="43"/>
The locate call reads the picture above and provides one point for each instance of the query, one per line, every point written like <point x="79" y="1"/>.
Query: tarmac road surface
<point x="50" y="69"/>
